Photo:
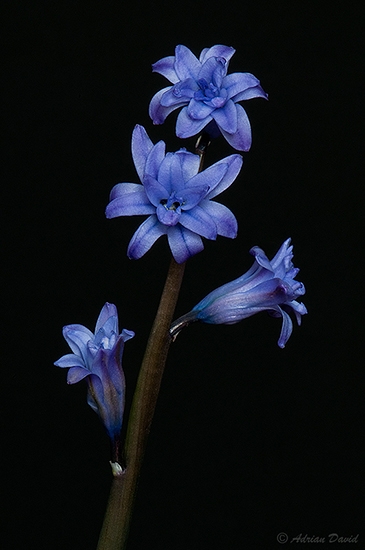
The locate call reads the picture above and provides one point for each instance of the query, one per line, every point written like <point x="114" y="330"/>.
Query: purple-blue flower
<point x="176" y="196"/>
<point x="207" y="95"/>
<point x="98" y="357"/>
<point x="268" y="285"/>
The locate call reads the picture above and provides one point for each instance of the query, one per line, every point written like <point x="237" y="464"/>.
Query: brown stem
<point x="117" y="518"/>
<point x="115" y="528"/>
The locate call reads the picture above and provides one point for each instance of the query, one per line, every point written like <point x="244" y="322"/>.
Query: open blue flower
<point x="98" y="357"/>
<point x="207" y="94"/>
<point x="176" y="196"/>
<point x="268" y="285"/>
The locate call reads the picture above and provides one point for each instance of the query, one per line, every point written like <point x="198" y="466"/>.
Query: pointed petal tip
<point x="127" y="334"/>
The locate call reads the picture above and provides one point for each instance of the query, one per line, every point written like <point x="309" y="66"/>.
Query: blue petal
<point x="127" y="334"/>
<point x="224" y="219"/>
<point x="91" y="401"/>
<point x="70" y="360"/>
<point x="170" y="174"/>
<point x="97" y="402"/>
<point x="157" y="112"/>
<point x="108" y="404"/>
<point x="75" y="374"/>
<point x="154" y="160"/>
<point x="166" y="216"/>
<point x="213" y="70"/>
<point x="77" y="337"/>
<point x="141" y="147"/>
<point x="130" y="204"/>
<point x="155" y="191"/>
<point x="217" y="51"/>
<point x="210" y="177"/>
<point x="198" y="110"/>
<point x="106" y="393"/>
<point x="248" y="280"/>
<point x="286" y="329"/>
<point x="189" y="163"/>
<point x="107" y="320"/>
<point x="187" y="127"/>
<point x="110" y="369"/>
<point x="121" y="189"/>
<point x="242" y="139"/>
<point x="226" y="117"/>
<point x="186" y="64"/>
<point x="262" y="259"/>
<point x="227" y="310"/>
<point x="233" y="306"/>
<point x="284" y="251"/>
<point x="165" y="66"/>
<point x="233" y="164"/>
<point x="299" y="310"/>
<point x="145" y="236"/>
<point x="266" y="294"/>
<point x="250" y="93"/>
<point x="183" y="243"/>
<point x="181" y="92"/>
<point x="236" y="83"/>
<point x="191" y="196"/>
<point x="199" y="221"/>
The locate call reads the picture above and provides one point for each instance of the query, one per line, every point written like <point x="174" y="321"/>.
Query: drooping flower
<point x="98" y="357"/>
<point x="207" y="94"/>
<point x="268" y="285"/>
<point x="176" y="196"/>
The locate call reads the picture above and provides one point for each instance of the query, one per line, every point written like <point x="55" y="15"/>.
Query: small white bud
<point x="116" y="469"/>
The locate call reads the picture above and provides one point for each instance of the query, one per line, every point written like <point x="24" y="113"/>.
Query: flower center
<point x="170" y="206"/>
<point x="169" y="210"/>
<point x="208" y="89"/>
<point x="210" y="92"/>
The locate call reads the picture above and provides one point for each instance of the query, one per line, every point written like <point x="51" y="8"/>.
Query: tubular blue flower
<point x="98" y="357"/>
<point x="207" y="94"/>
<point x="177" y="198"/>
<point x="268" y="285"/>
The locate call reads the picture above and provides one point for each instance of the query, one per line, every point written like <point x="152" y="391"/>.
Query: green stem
<point x="115" y="528"/>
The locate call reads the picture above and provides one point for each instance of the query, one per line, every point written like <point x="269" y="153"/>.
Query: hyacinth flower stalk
<point x="176" y="194"/>
<point x="267" y="286"/>
<point x="117" y="518"/>
<point x="98" y="359"/>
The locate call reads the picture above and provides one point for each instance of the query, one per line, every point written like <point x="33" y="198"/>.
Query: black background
<point x="248" y="440"/>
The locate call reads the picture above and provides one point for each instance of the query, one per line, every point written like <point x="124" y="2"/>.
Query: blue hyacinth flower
<point x="267" y="286"/>
<point x="98" y="358"/>
<point x="176" y="197"/>
<point x="208" y="96"/>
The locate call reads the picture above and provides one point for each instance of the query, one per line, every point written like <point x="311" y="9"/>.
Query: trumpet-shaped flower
<point x="268" y="285"/>
<point x="176" y="196"/>
<point x="207" y="95"/>
<point x="98" y="357"/>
